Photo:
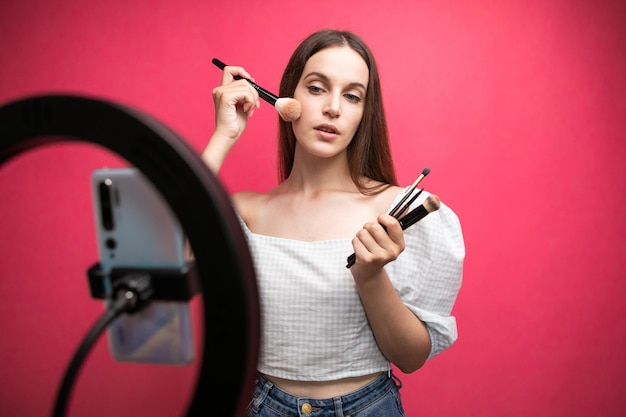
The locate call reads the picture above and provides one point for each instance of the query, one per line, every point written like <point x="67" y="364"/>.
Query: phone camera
<point x="111" y="243"/>
<point x="105" y="190"/>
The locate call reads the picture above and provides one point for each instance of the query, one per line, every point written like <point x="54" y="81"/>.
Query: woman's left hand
<point x="377" y="244"/>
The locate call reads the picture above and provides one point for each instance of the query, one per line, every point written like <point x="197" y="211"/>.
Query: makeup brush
<point x="432" y="203"/>
<point x="394" y="212"/>
<point x="289" y="109"/>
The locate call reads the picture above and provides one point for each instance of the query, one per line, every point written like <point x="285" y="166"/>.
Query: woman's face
<point x="332" y="92"/>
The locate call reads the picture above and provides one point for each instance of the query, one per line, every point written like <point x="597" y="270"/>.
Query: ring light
<point x="203" y="208"/>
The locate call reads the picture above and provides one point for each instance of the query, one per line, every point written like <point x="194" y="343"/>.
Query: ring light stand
<point x="223" y="262"/>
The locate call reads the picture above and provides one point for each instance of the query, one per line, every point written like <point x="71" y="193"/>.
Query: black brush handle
<point x="263" y="93"/>
<point x="413" y="217"/>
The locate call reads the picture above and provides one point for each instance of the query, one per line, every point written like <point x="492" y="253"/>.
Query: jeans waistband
<point x="350" y="403"/>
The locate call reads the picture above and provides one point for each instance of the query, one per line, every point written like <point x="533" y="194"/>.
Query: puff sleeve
<point x="428" y="273"/>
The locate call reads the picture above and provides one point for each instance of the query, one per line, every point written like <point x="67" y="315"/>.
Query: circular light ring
<point x="203" y="208"/>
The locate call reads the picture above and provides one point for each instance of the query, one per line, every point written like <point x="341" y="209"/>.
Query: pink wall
<point x="517" y="107"/>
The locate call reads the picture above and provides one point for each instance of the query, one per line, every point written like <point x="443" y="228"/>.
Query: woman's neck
<point x="314" y="176"/>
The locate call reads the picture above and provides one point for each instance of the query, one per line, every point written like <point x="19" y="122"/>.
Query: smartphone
<point x="136" y="228"/>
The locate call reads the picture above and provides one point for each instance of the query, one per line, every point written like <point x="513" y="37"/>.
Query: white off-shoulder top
<point x="314" y="327"/>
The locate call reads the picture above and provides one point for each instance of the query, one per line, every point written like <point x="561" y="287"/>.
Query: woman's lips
<point x="327" y="131"/>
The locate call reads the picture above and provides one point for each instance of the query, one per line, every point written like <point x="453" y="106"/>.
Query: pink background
<point x="517" y="107"/>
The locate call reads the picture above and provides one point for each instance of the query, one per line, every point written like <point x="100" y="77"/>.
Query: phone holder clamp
<point x="168" y="284"/>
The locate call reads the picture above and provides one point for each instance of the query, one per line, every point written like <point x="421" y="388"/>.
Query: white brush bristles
<point x="289" y="109"/>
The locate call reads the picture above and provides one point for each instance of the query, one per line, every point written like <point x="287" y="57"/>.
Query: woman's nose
<point x="332" y="105"/>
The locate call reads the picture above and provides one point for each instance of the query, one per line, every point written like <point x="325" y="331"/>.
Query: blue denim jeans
<point x="379" y="398"/>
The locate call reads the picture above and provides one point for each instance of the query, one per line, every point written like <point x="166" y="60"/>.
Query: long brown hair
<point x="369" y="154"/>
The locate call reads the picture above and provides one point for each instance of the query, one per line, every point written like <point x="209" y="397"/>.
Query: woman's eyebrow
<point x="325" y="78"/>
<point x="316" y="74"/>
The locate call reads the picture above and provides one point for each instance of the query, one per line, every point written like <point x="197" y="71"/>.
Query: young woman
<point x="331" y="333"/>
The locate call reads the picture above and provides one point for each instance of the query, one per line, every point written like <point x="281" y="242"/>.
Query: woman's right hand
<point x="234" y="101"/>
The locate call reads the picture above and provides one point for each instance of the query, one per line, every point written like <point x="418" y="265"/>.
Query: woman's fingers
<point x="379" y="242"/>
<point x="232" y="73"/>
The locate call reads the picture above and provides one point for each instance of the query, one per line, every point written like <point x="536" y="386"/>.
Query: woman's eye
<point x="314" y="89"/>
<point x="354" y="98"/>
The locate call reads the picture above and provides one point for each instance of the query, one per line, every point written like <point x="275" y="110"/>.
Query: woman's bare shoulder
<point x="245" y="201"/>
<point x="387" y="193"/>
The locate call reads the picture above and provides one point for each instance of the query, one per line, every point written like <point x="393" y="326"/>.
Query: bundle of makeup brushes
<point x="432" y="203"/>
